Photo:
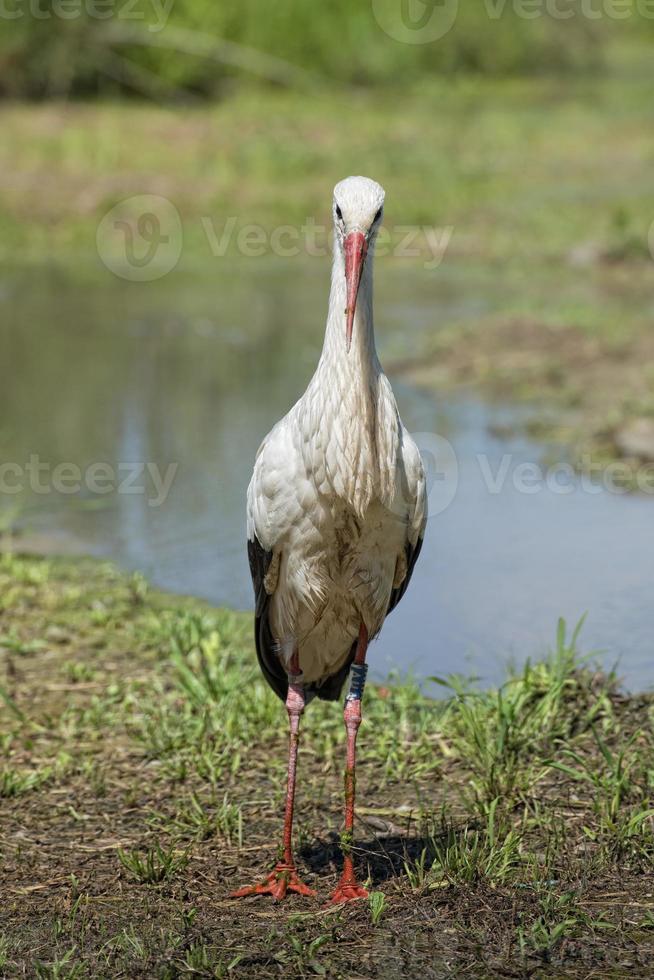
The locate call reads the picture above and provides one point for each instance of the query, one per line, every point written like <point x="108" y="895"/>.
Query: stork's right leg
<point x="283" y="878"/>
<point x="348" y="887"/>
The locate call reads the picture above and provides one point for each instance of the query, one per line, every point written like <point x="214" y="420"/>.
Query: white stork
<point x="336" y="513"/>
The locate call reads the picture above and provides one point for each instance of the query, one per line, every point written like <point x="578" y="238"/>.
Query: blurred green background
<point x="524" y="126"/>
<point x="511" y="111"/>
<point x="120" y="48"/>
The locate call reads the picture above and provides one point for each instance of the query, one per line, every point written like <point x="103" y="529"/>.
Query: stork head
<point x="358" y="212"/>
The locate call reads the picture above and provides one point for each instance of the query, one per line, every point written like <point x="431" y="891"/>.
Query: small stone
<point x="585" y="254"/>
<point x="636" y="439"/>
<point x="57" y="635"/>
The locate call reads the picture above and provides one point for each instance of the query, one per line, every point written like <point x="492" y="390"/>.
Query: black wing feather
<point x="267" y="654"/>
<point x="412" y="552"/>
<point x="269" y="662"/>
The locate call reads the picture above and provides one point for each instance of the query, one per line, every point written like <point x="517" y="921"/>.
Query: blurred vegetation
<point x="202" y="46"/>
<point x="523" y="169"/>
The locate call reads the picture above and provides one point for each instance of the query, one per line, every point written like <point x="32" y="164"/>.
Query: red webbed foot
<point x="281" y="880"/>
<point x="347" y="890"/>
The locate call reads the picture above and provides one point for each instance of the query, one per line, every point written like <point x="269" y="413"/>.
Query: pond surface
<point x="188" y="374"/>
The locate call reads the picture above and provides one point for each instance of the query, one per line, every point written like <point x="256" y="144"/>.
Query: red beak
<point x="356" y="248"/>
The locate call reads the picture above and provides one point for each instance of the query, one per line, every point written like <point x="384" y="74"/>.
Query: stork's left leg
<point x="284" y="877"/>
<point x="348" y="887"/>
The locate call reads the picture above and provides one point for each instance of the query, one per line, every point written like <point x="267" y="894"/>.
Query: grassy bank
<point x="504" y="833"/>
<point x="521" y="168"/>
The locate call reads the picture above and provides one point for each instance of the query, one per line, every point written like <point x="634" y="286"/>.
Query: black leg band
<point x="357" y="682"/>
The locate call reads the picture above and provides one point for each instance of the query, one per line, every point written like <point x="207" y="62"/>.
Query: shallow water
<point x="192" y="372"/>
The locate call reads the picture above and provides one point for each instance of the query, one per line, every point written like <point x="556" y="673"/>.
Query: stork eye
<point x="339" y="213"/>
<point x="377" y="216"/>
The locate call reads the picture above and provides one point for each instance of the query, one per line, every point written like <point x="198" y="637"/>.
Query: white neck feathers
<point x="350" y="417"/>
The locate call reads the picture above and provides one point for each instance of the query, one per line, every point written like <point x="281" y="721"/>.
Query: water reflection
<point x="193" y="372"/>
